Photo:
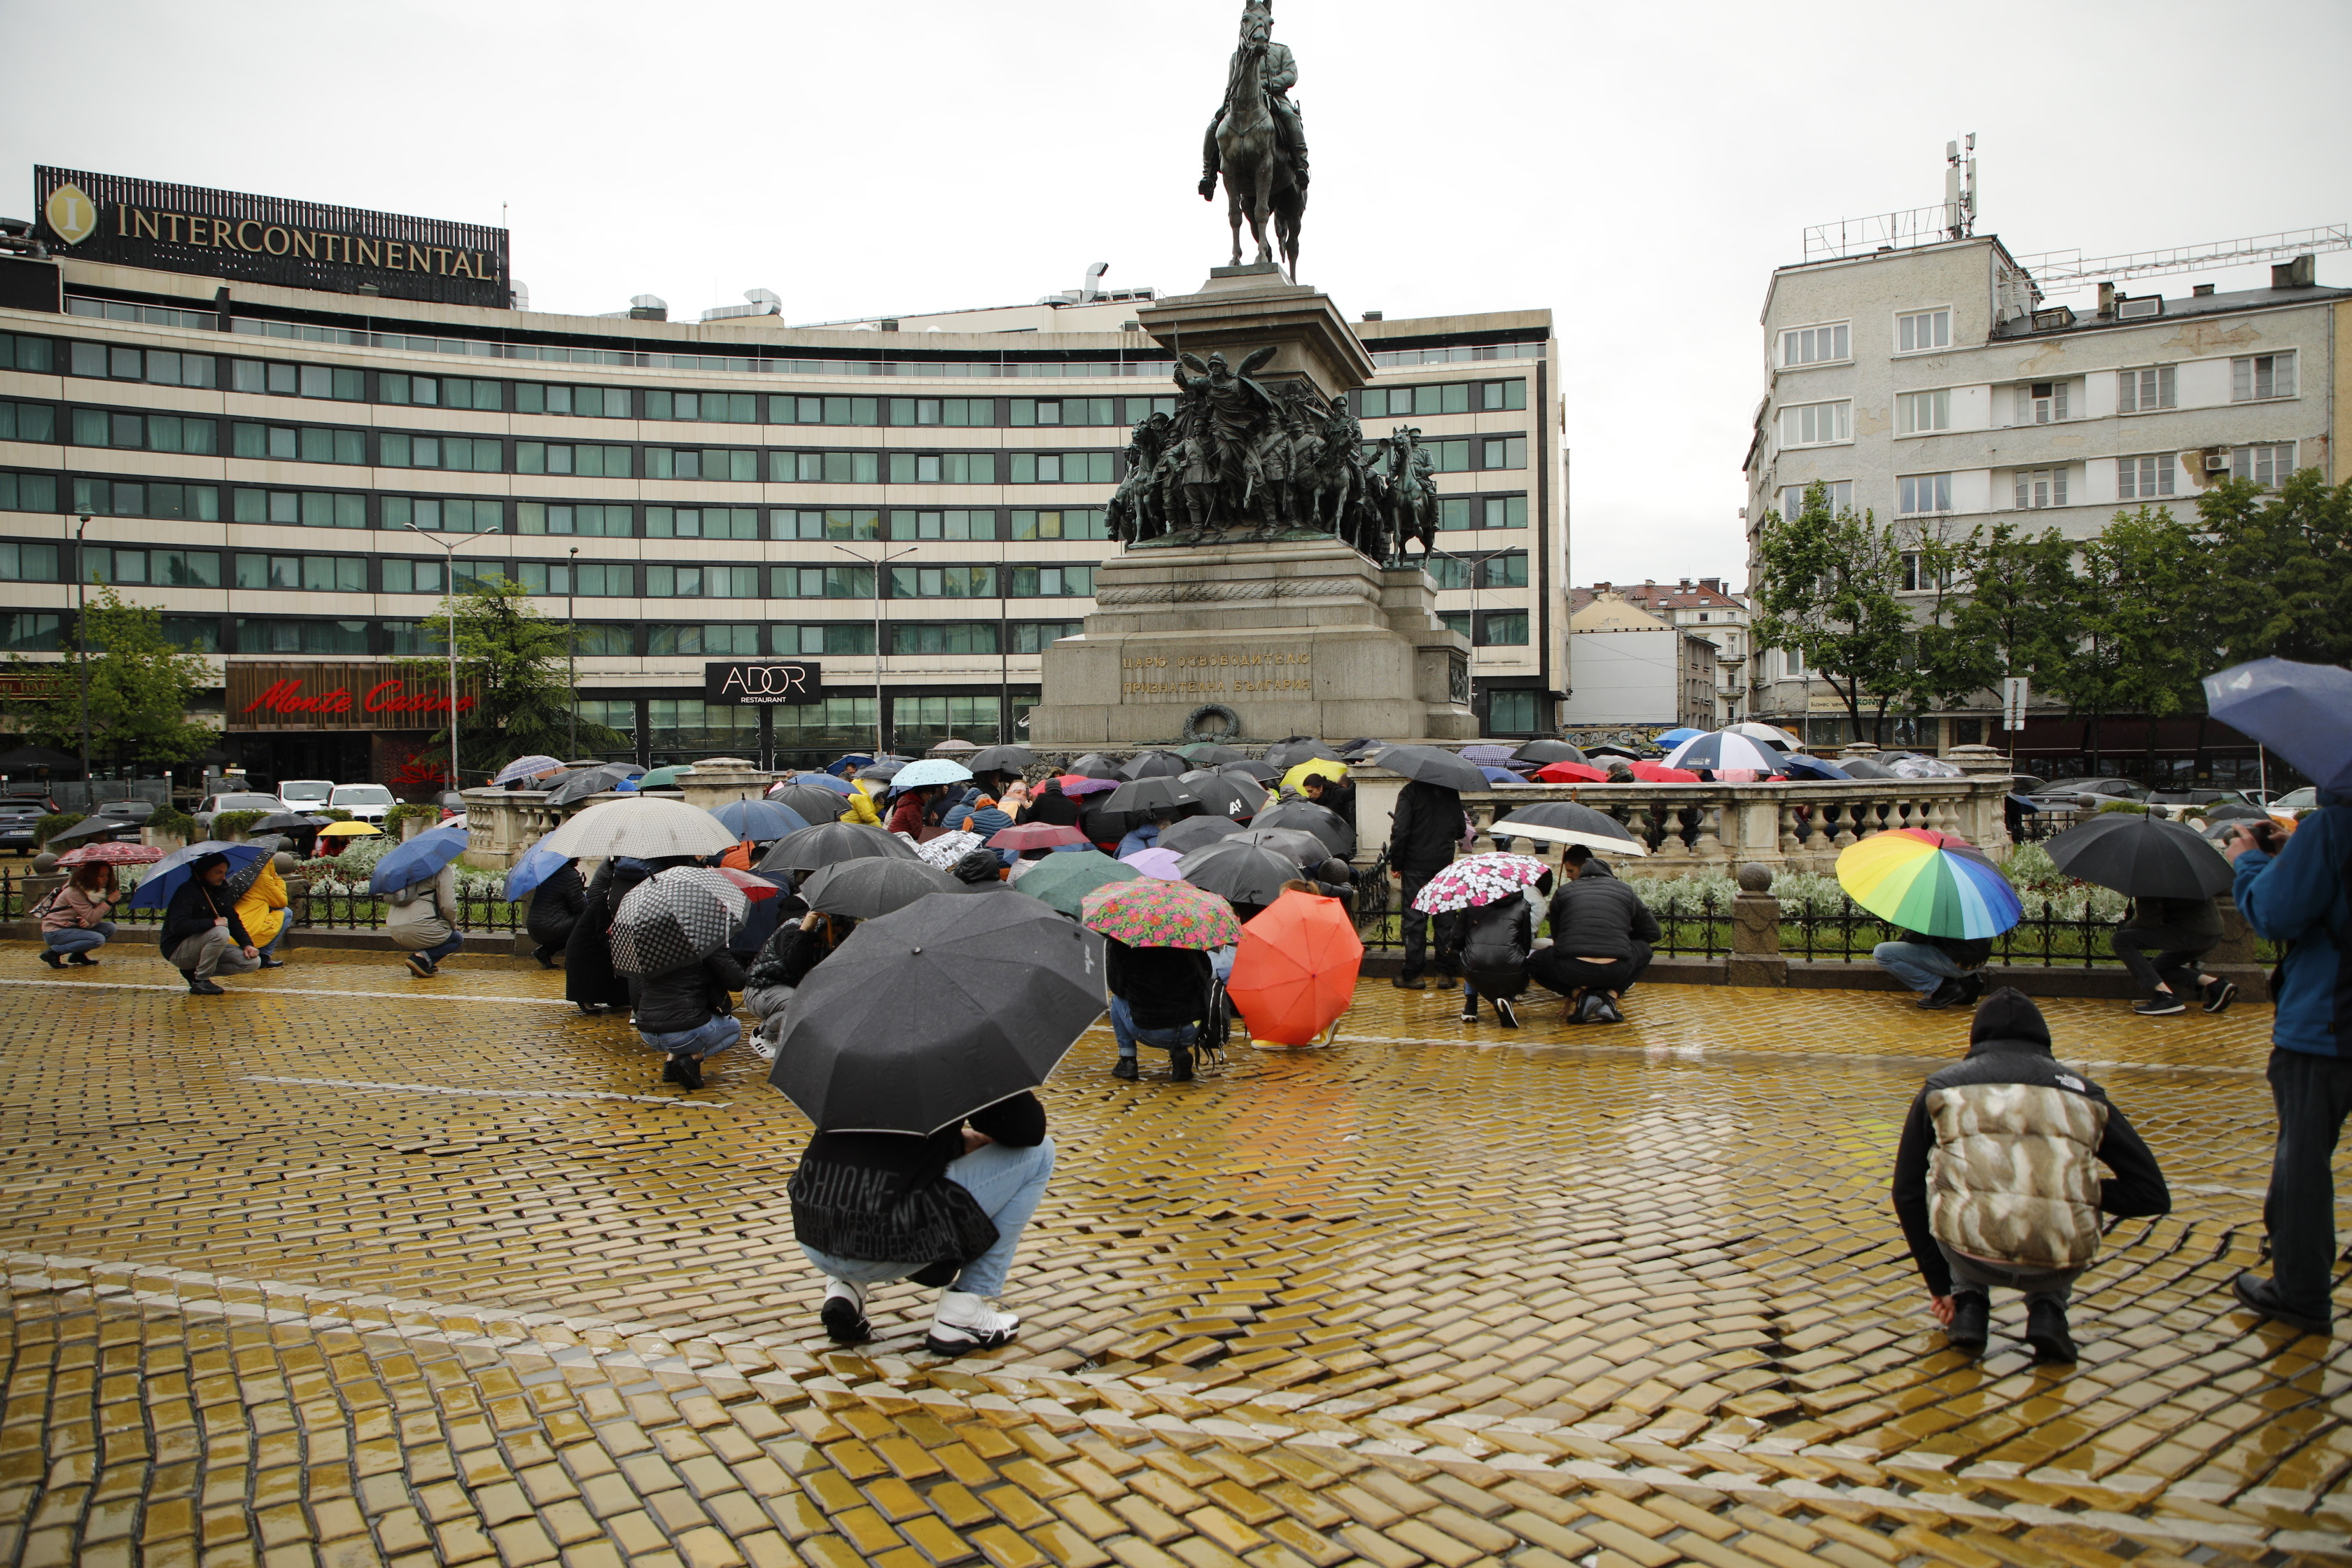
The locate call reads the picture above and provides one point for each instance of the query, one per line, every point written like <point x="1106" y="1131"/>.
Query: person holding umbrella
<point x="556" y="906"/>
<point x="262" y="903"/>
<point x="74" y="919"/>
<point x="669" y="934"/>
<point x="1501" y="895"/>
<point x="1156" y="940"/>
<point x="1948" y="900"/>
<point x="1427" y="824"/>
<point x="423" y="918"/>
<point x="202" y="935"/>
<point x="2171" y="874"/>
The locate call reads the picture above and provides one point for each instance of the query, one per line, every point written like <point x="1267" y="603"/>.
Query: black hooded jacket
<point x="555" y="907"/>
<point x="1424" y="829"/>
<point x="196" y="904"/>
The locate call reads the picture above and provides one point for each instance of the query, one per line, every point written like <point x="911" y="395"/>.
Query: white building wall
<point x="1625" y="677"/>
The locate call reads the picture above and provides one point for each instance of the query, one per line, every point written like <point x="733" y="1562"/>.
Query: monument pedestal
<point x="1293" y="637"/>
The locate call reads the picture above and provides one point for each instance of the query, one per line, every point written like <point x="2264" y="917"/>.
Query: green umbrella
<point x="664" y="778"/>
<point x="1065" y="877"/>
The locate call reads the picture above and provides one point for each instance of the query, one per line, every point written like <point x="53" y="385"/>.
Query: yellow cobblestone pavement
<point x="349" y="1268"/>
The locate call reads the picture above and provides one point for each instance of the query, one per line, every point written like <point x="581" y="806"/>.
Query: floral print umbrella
<point x="675" y="918"/>
<point x="1150" y="913"/>
<point x="1476" y="879"/>
<point x="948" y="848"/>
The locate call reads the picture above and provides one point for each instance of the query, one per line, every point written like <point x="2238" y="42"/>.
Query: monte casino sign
<point x="269" y="239"/>
<point x="269" y="696"/>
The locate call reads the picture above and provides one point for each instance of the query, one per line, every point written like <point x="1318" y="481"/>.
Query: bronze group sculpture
<point x="1257" y="141"/>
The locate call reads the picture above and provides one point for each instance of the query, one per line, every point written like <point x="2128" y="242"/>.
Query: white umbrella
<point x="1758" y="730"/>
<point x="645" y="827"/>
<point x="1544" y="833"/>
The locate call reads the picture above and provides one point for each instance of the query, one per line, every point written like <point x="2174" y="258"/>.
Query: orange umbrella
<point x="1658" y="773"/>
<point x="1570" y="772"/>
<point x="1295" y="973"/>
<point x="738" y="859"/>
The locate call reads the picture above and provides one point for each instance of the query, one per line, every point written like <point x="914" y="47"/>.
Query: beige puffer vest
<point x="2014" y="1176"/>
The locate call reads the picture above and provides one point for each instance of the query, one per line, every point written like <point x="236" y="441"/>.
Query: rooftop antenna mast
<point x="1961" y="187"/>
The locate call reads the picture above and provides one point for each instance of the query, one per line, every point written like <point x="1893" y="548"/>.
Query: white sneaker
<point x="843" y="1312"/>
<point x="966" y="1322"/>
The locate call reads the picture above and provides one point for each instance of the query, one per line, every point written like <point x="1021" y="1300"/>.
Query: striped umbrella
<point x="1929" y="883"/>
<point x="1725" y="749"/>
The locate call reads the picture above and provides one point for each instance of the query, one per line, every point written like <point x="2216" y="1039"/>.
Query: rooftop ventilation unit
<point x="763" y="303"/>
<point x="648" y="308"/>
<point x="2139" y="309"/>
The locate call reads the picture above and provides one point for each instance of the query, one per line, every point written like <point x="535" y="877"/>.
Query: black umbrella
<point x="1095" y="765"/>
<point x="2231" y="812"/>
<point x="865" y="888"/>
<point x="882" y="772"/>
<point x="1863" y="768"/>
<point x="1240" y="873"/>
<point x="1545" y="751"/>
<point x="1356" y="748"/>
<point x="1321" y="821"/>
<point x="2143" y="857"/>
<point x="830" y="841"/>
<point x="1102" y="824"/>
<point x="1229" y="796"/>
<point x="1293" y="844"/>
<point x="1433" y="765"/>
<point x="1264" y="773"/>
<point x="813" y="803"/>
<point x="1208" y="754"/>
<point x="1197" y="833"/>
<point x="1565" y="814"/>
<point x="1611" y="749"/>
<point x="1292" y="750"/>
<point x="588" y="781"/>
<point x="949" y="1006"/>
<point x="1001" y="760"/>
<point x="1156" y="765"/>
<point x="287" y="822"/>
<point x="1156" y="795"/>
<point x="91" y="829"/>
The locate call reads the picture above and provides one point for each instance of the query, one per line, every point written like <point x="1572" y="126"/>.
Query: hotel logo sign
<point x="273" y="696"/>
<point x="763" y="683"/>
<point x="269" y="239"/>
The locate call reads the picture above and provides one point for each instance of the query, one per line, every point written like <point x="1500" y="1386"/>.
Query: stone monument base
<point x="1290" y="637"/>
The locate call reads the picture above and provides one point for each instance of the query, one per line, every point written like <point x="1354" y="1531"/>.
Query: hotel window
<point x="2266" y="465"/>
<point x="941" y="468"/>
<point x="1504" y="452"/>
<point x="827" y="636"/>
<point x="2038" y="487"/>
<point x="1838" y="492"/>
<point x="1506" y="571"/>
<point x="565" y="516"/>
<point x="1140" y="409"/>
<point x="2139" y="391"/>
<point x="689" y="722"/>
<point x="943" y="636"/>
<point x="159" y="367"/>
<point x="1502" y="629"/>
<point x="22" y="561"/>
<point x="1448" y="571"/>
<point x="580" y="402"/>
<point x="1456" y="621"/>
<point x="277" y="379"/>
<point x="193" y="634"/>
<point x="274" y="636"/>
<point x="410" y="638"/>
<point x="145" y="432"/>
<point x="1917" y="331"/>
<point x="28" y="422"/>
<point x="440" y="391"/>
<point x="1052" y="582"/>
<point x="963" y="717"/>
<point x="1816" y="345"/>
<point x="1511" y="712"/>
<point x="2145" y="477"/>
<point x="301" y="444"/>
<point x="944" y="524"/>
<point x="2042" y="403"/>
<point x="1063" y="411"/>
<point x="734" y="466"/>
<point x="947" y="411"/>
<point x="2262" y="376"/>
<point x="306" y="574"/>
<point x="22" y="632"/>
<point x="702" y="582"/>
<point x="1034" y="636"/>
<point x="613" y="712"/>
<point x="442" y="515"/>
<point x="604" y="579"/>
<point x="1072" y="523"/>
<point x="130" y="497"/>
<point x="787" y="408"/>
<point x="722" y="640"/>
<point x="820" y="583"/>
<point x="605" y="641"/>
<point x="710" y="407"/>
<point x="1816" y="423"/>
<point x="839" y="522"/>
<point x="585" y="462"/>
<point x="460" y="454"/>
<point x="834" y="723"/>
<point x="403" y="576"/>
<point x="852" y="468"/>
<point x="1918" y="493"/>
<point x="1918" y="413"/>
<point x="702" y="522"/>
<point x="544" y="579"/>
<point x="943" y="581"/>
<point x="1058" y="468"/>
<point x="20" y="353"/>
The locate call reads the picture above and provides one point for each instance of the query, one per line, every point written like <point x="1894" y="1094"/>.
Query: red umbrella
<point x="1294" y="972"/>
<point x="1570" y="772"/>
<point x="111" y="854"/>
<point x="1658" y="773"/>
<point x="1035" y="836"/>
<point x="759" y="890"/>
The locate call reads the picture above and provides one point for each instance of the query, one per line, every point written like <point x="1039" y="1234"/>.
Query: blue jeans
<point x="712" y="1037"/>
<point x="1122" y="1027"/>
<point x="1006" y="1183"/>
<point x="441" y="949"/>
<point x="269" y="949"/>
<point x="1917" y="965"/>
<point x="78" y="939"/>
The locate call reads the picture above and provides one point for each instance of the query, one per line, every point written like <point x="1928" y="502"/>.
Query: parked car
<point x="2090" y="794"/>
<point x="2295" y="803"/>
<point x="306" y="795"/>
<point x="2026" y="784"/>
<point x="29" y="795"/>
<point x="215" y="805"/>
<point x="366" y="803"/>
<point x="17" y="819"/>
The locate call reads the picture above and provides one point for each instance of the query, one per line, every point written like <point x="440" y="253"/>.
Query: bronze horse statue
<point x="1260" y="183"/>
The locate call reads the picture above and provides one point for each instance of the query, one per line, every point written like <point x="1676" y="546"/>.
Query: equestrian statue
<point x="1255" y="140"/>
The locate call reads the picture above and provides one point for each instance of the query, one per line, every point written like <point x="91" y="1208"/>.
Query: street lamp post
<point x="81" y="655"/>
<point x="449" y="582"/>
<point x="572" y="647"/>
<point x="1477" y="565"/>
<point x="880" y="561"/>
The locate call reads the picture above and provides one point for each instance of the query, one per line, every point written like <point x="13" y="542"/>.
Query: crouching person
<point x="1996" y="1184"/>
<point x="947" y="1209"/>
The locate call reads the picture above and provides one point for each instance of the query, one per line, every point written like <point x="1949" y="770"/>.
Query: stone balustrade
<point x="500" y="823"/>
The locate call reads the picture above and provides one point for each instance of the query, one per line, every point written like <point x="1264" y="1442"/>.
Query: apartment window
<point x="566" y="517"/>
<point x="702" y="522"/>
<point x="1061" y="411"/>
<point x="1507" y="571"/>
<point x="720" y="640"/>
<point x="1456" y="621"/>
<point x="1052" y="582"/>
<point x="28" y="422"/>
<point x="2146" y="478"/>
<point x="1919" y="493"/>
<point x="943" y="636"/>
<point x="462" y="454"/>
<point x="827" y="636"/>
<point x="711" y="407"/>
<point x="1448" y="397"/>
<point x="1504" y="452"/>
<point x="1072" y="523"/>
<point x="1916" y="412"/>
<point x="300" y="444"/>
<point x="22" y="561"/>
<point x="820" y="583"/>
<point x="837" y="522"/>
<point x="439" y="391"/>
<point x="135" y="498"/>
<point x="580" y="402"/>
<point x="1793" y="661"/>
<point x="1060" y="467"/>
<point x="949" y="410"/>
<point x="144" y="433"/>
<point x="1816" y="423"/>
<point x="943" y="581"/>
<point x="26" y="632"/>
<point x="438" y="514"/>
<point x="255" y="634"/>
<point x="20" y="353"/>
<point x="1033" y="637"/>
<point x="1916" y="579"/>
<point x="2266" y="465"/>
<point x="786" y="408"/>
<point x="864" y="468"/>
<point x="2042" y="403"/>
<point x="1514" y="712"/>
<point x="1838" y="493"/>
<point x="1503" y="511"/>
<point x="702" y="582"/>
<point x="1816" y="345"/>
<point x="305" y="574"/>
<point x="736" y="466"/>
<point x="1140" y="409"/>
<point x="193" y="634"/>
<point x="587" y="462"/>
<point x="2262" y="376"/>
<point x="405" y="576"/>
<point x="1448" y="571"/>
<point x="1917" y="332"/>
<point x="948" y="524"/>
<point x="2149" y="387"/>
<point x="2038" y="487"/>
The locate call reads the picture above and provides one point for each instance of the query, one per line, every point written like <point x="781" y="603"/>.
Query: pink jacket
<point x="73" y="909"/>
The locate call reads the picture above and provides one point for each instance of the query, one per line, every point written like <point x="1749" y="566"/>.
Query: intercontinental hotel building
<point x="279" y="418"/>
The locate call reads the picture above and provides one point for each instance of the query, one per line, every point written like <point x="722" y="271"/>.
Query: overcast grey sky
<point x="1639" y="169"/>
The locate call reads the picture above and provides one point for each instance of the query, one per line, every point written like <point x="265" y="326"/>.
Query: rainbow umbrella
<point x="1929" y="883"/>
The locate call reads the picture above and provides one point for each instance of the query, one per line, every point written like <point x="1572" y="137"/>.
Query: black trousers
<point x="2311" y="1095"/>
<point x="1417" y="930"/>
<point x="1557" y="971"/>
<point x="2175" y="966"/>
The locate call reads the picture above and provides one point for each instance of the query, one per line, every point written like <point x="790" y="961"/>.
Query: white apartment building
<point x="1703" y="609"/>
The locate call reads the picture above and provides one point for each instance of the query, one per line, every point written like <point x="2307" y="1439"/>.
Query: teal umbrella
<point x="1065" y="881"/>
<point x="664" y="778"/>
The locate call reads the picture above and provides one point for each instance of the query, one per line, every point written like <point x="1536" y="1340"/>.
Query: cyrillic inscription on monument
<point x="1213" y="677"/>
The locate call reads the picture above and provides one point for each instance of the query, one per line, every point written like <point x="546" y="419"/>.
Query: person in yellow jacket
<point x="261" y="906"/>
<point x="861" y="803"/>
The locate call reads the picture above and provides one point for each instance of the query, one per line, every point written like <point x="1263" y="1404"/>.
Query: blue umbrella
<point x="1673" y="738"/>
<point x="536" y="866"/>
<point x="1502" y="777"/>
<point x="1797" y="765"/>
<point x="526" y="767"/>
<point x="825" y="781"/>
<point x="929" y="771"/>
<point x="418" y="860"/>
<point x="758" y="821"/>
<point x="849" y="763"/>
<point x="164" y="876"/>
<point x="2302" y="712"/>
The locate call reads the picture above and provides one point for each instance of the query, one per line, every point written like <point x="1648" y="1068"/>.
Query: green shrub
<point x="49" y="827"/>
<point x="172" y="819"/>
<point x="333" y="814"/>
<point x="2127" y="807"/>
<point x="427" y="814"/>
<point x="231" y="822"/>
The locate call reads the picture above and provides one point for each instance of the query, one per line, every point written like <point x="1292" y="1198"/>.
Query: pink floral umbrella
<point x="1476" y="879"/>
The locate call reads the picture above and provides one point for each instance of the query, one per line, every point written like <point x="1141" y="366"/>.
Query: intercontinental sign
<point x="269" y="239"/>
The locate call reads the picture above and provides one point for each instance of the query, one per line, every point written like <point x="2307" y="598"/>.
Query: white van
<point x="366" y="803"/>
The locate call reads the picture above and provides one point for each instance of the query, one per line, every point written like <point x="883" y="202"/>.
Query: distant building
<point x="1704" y="607"/>
<point x="1634" y="666"/>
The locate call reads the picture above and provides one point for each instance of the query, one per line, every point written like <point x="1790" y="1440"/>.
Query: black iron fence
<point x="20" y="890"/>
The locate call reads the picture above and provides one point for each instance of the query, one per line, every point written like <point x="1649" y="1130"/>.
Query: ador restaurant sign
<point x="263" y="695"/>
<point x="762" y="682"/>
<point x="269" y="239"/>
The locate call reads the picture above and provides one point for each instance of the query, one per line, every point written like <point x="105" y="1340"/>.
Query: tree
<point x="512" y="660"/>
<point x="1949" y="658"/>
<point x="2018" y="617"/>
<point x="1827" y="589"/>
<point x="2136" y="648"/>
<point x="140" y="689"/>
<point x="2282" y="569"/>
